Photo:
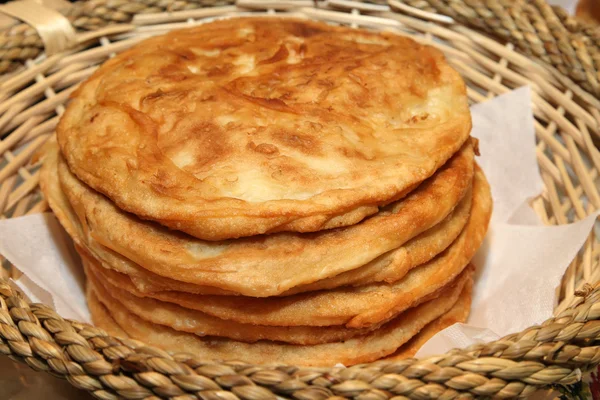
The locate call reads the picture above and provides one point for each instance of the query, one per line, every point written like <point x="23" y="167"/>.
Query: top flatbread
<point x="249" y="126"/>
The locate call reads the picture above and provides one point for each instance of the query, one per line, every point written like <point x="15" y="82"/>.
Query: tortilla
<point x="261" y="266"/>
<point x="250" y="126"/>
<point x="354" y="307"/>
<point x="361" y="349"/>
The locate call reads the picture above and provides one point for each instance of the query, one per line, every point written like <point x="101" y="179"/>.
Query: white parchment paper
<point x="43" y="251"/>
<point x="521" y="261"/>
<point x="568" y="5"/>
<point x="519" y="266"/>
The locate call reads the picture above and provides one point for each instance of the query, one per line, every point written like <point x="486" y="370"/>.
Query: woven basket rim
<point x="523" y="362"/>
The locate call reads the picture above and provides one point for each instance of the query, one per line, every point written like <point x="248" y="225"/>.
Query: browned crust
<point x="358" y="307"/>
<point x="250" y="266"/>
<point x="361" y="349"/>
<point x="458" y="313"/>
<point x="589" y="10"/>
<point x="193" y="321"/>
<point x="169" y="131"/>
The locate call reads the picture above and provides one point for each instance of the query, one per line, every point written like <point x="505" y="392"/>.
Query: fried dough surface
<point x="249" y="126"/>
<point x="361" y="349"/>
<point x="354" y="307"/>
<point x="458" y="313"/>
<point x="259" y="266"/>
<point x="193" y="321"/>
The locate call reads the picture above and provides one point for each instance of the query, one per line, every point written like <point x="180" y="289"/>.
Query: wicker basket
<point x="534" y="45"/>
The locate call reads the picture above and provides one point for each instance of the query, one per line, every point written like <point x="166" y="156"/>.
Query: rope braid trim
<point x="535" y="28"/>
<point x="556" y="352"/>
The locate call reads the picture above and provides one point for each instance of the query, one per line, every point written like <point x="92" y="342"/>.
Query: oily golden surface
<point x="354" y="307"/>
<point x="419" y="249"/>
<point x="265" y="265"/>
<point x="101" y="317"/>
<point x="196" y="322"/>
<point x="110" y="315"/>
<point x="458" y="313"/>
<point x="386" y="268"/>
<point x="70" y="220"/>
<point x="249" y="126"/>
<point x="394" y="265"/>
<point x="193" y="321"/>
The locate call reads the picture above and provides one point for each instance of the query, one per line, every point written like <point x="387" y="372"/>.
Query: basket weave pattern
<point x="567" y="117"/>
<point x="516" y="365"/>
<point x="536" y="28"/>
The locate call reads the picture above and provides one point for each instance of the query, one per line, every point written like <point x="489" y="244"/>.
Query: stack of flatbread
<point x="273" y="190"/>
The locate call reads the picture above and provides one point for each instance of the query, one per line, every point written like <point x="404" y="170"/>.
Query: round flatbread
<point x="394" y="265"/>
<point x="266" y="265"/>
<point x="101" y="318"/>
<point x="354" y="307"/>
<point x="201" y="324"/>
<point x="379" y="343"/>
<point x="249" y="126"/>
<point x="70" y="219"/>
<point x="458" y="313"/>
<point x="388" y="267"/>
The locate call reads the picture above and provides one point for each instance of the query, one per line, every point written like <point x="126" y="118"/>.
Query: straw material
<point x="54" y="29"/>
<point x="516" y="365"/>
<point x="566" y="111"/>
<point x="536" y="28"/>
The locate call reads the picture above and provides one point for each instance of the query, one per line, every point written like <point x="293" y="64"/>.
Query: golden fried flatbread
<point x="354" y="307"/>
<point x="192" y="321"/>
<point x="386" y="268"/>
<point x="143" y="280"/>
<point x="267" y="265"/>
<point x="417" y="250"/>
<point x="101" y="318"/>
<point x="196" y="322"/>
<point x="250" y="126"/>
<point x="458" y="313"/>
<point x="361" y="349"/>
<point x="394" y="265"/>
